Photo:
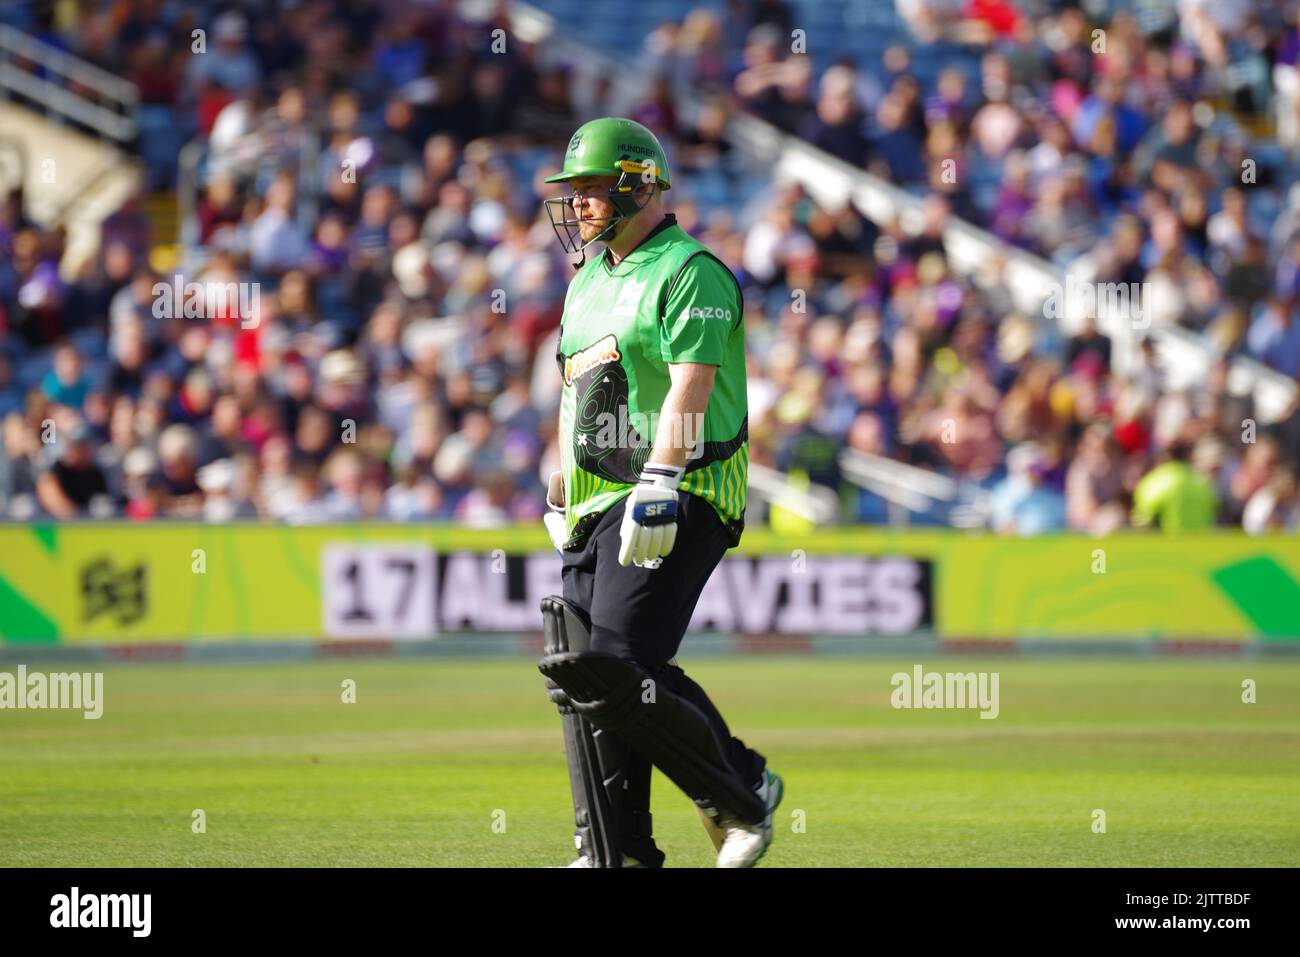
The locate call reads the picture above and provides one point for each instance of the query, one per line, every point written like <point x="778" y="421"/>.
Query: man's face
<point x="590" y="205"/>
<point x="579" y="219"/>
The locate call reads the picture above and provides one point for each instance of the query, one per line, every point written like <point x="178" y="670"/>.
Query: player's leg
<point x="749" y="764"/>
<point x="636" y="832"/>
<point x="641" y="615"/>
<point x="595" y="826"/>
<point x="610" y="783"/>
<point x="619" y="696"/>
<point x="740" y="843"/>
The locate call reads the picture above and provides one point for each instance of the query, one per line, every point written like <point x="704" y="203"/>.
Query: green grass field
<point x="415" y="772"/>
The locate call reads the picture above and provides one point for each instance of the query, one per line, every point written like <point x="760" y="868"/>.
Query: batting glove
<point x="556" y="525"/>
<point x="649" y="528"/>
<point x="555" y="491"/>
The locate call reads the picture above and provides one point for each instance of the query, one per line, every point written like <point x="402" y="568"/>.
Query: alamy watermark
<point x="640" y="429"/>
<point x="179" y="299"/>
<point x="931" y="689"/>
<point x="71" y="691"/>
<point x="75" y="909"/>
<point x="1129" y="301"/>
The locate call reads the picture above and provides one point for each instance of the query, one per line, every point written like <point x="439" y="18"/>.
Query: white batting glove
<point x="556" y="524"/>
<point x="557" y="528"/>
<point x="649" y="528"/>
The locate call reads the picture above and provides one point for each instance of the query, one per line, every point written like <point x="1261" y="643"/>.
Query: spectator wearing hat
<point x="142" y="486"/>
<point x="220" y="501"/>
<point x="228" y="62"/>
<point x="1022" y="503"/>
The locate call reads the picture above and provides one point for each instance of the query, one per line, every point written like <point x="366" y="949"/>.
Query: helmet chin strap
<point x="601" y="237"/>
<point x="606" y="234"/>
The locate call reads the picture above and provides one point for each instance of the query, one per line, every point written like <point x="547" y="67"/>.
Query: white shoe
<point x="743" y="845"/>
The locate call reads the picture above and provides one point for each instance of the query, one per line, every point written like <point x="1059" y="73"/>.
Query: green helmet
<point x="610" y="146"/>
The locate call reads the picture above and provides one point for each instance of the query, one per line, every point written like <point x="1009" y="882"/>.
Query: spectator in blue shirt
<point x="1022" y="503"/>
<point x="1274" y="338"/>
<point x="67" y="383"/>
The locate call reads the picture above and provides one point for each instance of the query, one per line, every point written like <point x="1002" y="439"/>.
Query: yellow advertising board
<point x="123" y="583"/>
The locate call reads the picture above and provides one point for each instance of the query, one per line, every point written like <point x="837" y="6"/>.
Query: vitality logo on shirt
<point x="601" y="351"/>
<point x="629" y="297"/>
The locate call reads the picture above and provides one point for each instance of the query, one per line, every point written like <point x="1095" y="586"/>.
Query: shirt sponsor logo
<point x="707" y="312"/>
<point x="602" y="351"/>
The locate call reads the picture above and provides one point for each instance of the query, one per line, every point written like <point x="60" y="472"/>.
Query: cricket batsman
<point x="650" y="495"/>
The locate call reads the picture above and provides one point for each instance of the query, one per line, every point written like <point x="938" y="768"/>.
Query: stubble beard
<point x="590" y="229"/>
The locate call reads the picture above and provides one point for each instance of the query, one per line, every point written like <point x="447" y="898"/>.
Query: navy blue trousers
<point x="642" y="614"/>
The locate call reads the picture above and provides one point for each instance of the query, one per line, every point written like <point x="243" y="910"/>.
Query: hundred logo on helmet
<point x="610" y="146"/>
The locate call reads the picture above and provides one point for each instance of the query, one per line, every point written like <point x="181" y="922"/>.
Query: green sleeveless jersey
<point x="669" y="300"/>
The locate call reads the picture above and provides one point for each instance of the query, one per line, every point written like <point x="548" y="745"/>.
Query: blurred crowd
<point x="373" y="173"/>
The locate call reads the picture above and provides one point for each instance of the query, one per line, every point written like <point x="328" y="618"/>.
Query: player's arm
<point x="681" y="423"/>
<point x="649" y="528"/>
<point x="701" y="313"/>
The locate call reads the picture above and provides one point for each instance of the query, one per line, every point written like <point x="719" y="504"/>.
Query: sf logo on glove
<point x="649" y="528"/>
<point x="657" y="513"/>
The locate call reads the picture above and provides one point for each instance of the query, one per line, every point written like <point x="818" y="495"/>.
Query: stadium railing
<point x="916" y="490"/>
<point x="1184" y="358"/>
<point x="112" y="114"/>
